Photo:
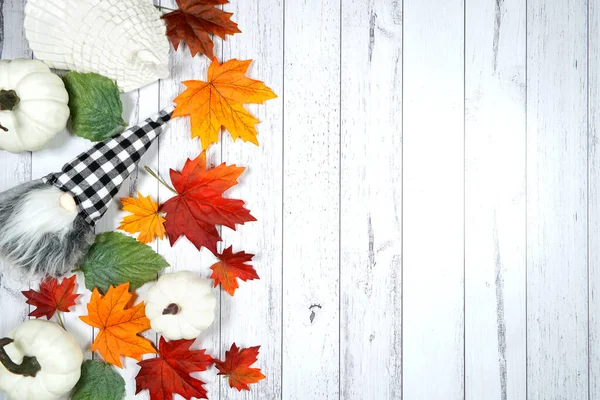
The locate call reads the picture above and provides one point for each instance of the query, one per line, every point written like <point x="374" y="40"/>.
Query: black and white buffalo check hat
<point x="94" y="177"/>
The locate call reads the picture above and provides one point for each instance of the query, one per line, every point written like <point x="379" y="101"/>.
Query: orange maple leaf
<point x="144" y="220"/>
<point x="232" y="267"/>
<point x="219" y="102"/>
<point x="237" y="367"/>
<point x="119" y="327"/>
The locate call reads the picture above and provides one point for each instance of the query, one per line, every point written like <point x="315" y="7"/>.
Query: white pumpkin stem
<point x="29" y="367"/>
<point x="172" y="309"/>
<point x="8" y="100"/>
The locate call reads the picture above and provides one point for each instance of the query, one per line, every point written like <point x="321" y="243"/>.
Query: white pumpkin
<point x="34" y="105"/>
<point x="181" y="305"/>
<point x="58" y="358"/>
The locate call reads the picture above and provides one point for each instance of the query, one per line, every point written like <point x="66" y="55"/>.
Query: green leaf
<point x="99" y="381"/>
<point x="96" y="108"/>
<point x="116" y="258"/>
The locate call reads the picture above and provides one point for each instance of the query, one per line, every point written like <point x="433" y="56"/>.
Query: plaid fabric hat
<point x="94" y="177"/>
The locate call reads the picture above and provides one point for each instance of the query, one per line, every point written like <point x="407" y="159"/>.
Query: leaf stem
<point x="149" y="170"/>
<point x="165" y="8"/>
<point x="60" y="320"/>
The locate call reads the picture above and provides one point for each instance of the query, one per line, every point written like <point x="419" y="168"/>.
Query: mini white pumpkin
<point x="46" y="351"/>
<point x="34" y="105"/>
<point x="181" y="305"/>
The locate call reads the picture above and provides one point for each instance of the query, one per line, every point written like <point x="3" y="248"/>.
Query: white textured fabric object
<point x="124" y="40"/>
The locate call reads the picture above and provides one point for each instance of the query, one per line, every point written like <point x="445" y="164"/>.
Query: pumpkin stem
<point x="172" y="309"/>
<point x="8" y="100"/>
<point x="29" y="367"/>
<point x="3" y="128"/>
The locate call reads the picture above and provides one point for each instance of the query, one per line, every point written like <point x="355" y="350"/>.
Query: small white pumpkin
<point x="34" y="105"/>
<point x="46" y="351"/>
<point x="181" y="305"/>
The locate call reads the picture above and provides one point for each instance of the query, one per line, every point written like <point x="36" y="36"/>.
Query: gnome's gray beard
<point x="39" y="237"/>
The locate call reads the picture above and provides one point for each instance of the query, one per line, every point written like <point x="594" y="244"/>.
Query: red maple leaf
<point x="170" y="372"/>
<point x="237" y="367"/>
<point x="232" y="267"/>
<point x="52" y="297"/>
<point x="195" y="21"/>
<point x="200" y="205"/>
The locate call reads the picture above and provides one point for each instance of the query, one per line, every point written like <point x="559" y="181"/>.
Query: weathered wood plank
<point x="14" y="170"/>
<point x="311" y="200"/>
<point x="594" y="198"/>
<point x="175" y="147"/>
<point x="433" y="285"/>
<point x="495" y="132"/>
<point x="63" y="148"/>
<point x="371" y="200"/>
<point x="557" y="186"/>
<point x="138" y="105"/>
<point x="253" y="316"/>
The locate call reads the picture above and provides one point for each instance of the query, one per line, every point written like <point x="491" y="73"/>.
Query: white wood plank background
<point x="427" y="196"/>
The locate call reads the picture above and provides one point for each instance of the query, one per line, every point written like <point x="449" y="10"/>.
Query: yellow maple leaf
<point x="144" y="218"/>
<point x="119" y="326"/>
<point x="220" y="102"/>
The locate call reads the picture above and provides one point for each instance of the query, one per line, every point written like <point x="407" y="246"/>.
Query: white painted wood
<point x="594" y="199"/>
<point x="14" y="170"/>
<point x="175" y="147"/>
<point x="371" y="200"/>
<point x="557" y="218"/>
<point x="495" y="132"/>
<point x="433" y="231"/>
<point x="254" y="315"/>
<point x="63" y="148"/>
<point x="464" y="336"/>
<point x="138" y="105"/>
<point x="311" y="200"/>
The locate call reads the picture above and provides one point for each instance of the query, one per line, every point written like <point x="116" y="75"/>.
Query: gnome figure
<point x="47" y="225"/>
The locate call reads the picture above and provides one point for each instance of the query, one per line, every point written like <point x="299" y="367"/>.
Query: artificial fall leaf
<point x="119" y="326"/>
<point x="170" y="372"/>
<point x="219" y="102"/>
<point x="237" y="367"/>
<point x="144" y="220"/>
<point x="232" y="266"/>
<point x="199" y="205"/>
<point x="52" y="297"/>
<point x="195" y="21"/>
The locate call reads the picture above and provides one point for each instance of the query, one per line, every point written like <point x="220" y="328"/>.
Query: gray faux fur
<point x="54" y="254"/>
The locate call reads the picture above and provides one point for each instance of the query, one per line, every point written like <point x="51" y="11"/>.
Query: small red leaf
<point x="237" y="367"/>
<point x="52" y="297"/>
<point x="232" y="267"/>
<point x="170" y="373"/>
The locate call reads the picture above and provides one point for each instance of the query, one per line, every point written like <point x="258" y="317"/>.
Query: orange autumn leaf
<point x="119" y="326"/>
<point x="236" y="367"/>
<point x="231" y="267"/>
<point x="220" y="102"/>
<point x="144" y="218"/>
